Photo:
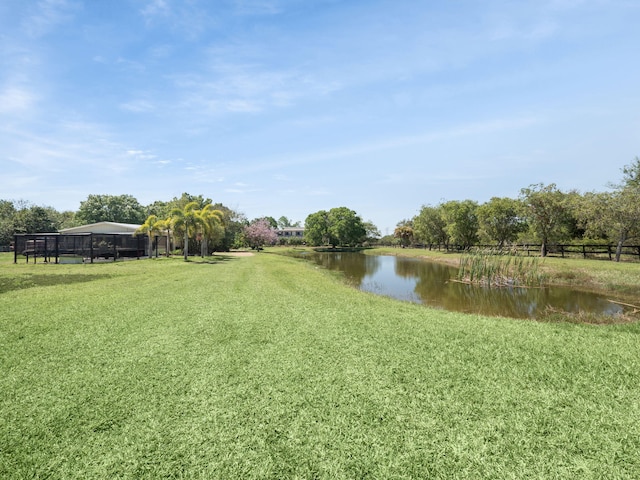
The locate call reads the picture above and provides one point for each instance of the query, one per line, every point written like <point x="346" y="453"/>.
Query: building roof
<point x="103" y="227"/>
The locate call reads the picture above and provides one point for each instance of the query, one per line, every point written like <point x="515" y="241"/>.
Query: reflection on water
<point x="430" y="283"/>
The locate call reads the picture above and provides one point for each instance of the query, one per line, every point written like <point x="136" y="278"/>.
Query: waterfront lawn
<point x="267" y="367"/>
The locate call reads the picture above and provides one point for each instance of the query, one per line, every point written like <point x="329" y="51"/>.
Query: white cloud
<point x="15" y="99"/>
<point x="140" y="155"/>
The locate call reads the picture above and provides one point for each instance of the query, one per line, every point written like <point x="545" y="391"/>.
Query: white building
<point x="290" y="232"/>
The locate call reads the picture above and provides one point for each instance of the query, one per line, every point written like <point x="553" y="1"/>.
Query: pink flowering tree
<point x="259" y="233"/>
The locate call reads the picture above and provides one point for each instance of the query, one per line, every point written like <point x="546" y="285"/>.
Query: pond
<point x="429" y="283"/>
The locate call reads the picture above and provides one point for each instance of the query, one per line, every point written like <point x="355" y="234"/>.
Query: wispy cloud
<point x="138" y="106"/>
<point x="257" y="7"/>
<point x="247" y="88"/>
<point x="156" y="8"/>
<point x="71" y="146"/>
<point x="48" y="15"/>
<point x="15" y="99"/>
<point x="467" y="130"/>
<point x="189" y="19"/>
<point x="140" y="155"/>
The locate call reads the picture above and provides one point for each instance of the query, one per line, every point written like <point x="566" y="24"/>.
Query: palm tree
<point x="150" y="227"/>
<point x="165" y="228"/>
<point x="212" y="224"/>
<point x="186" y="220"/>
<point x="404" y="233"/>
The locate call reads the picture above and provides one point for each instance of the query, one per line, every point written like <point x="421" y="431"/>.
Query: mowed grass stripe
<point x="266" y="367"/>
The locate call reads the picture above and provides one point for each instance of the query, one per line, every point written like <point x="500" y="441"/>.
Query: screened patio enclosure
<point x="81" y="247"/>
<point x="101" y="241"/>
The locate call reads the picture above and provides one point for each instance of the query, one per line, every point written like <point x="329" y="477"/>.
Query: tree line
<point x="193" y="222"/>
<point x="541" y="214"/>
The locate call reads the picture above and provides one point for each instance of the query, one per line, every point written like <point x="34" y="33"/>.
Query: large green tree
<point x="500" y="220"/>
<point x="631" y="175"/>
<point x="346" y="227"/>
<point x="429" y="226"/>
<point x="316" y="228"/>
<point x="461" y="222"/>
<point x="339" y="226"/>
<point x="186" y="198"/>
<point x="160" y="209"/>
<point x="111" y="208"/>
<point x="548" y="214"/>
<point x="372" y="233"/>
<point x="23" y="217"/>
<point x="35" y="219"/>
<point x="614" y="215"/>
<point x="7" y="221"/>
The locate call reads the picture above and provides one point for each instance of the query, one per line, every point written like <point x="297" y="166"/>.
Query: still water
<point x="429" y="283"/>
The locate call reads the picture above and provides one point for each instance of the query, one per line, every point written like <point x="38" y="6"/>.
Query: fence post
<point x="609" y="251"/>
<point x="584" y="251"/>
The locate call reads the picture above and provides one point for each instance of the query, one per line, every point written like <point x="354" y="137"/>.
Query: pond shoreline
<point x="564" y="273"/>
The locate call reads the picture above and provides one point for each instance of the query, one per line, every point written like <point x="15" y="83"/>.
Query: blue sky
<point x="287" y="107"/>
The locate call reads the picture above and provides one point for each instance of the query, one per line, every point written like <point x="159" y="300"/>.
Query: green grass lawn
<point x="267" y="367"/>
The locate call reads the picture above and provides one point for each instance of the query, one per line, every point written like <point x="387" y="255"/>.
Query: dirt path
<point x="236" y="254"/>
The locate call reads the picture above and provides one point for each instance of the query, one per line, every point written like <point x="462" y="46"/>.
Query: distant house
<point x="290" y="232"/>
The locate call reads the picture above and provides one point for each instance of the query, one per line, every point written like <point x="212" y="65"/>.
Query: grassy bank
<point x="266" y="367"/>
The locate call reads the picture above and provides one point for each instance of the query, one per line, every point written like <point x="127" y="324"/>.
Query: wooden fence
<point x="597" y="251"/>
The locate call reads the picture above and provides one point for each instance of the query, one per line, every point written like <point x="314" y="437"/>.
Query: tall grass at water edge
<point x="496" y="269"/>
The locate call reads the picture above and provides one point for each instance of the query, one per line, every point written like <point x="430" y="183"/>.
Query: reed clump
<point x="495" y="268"/>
